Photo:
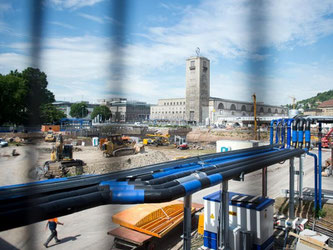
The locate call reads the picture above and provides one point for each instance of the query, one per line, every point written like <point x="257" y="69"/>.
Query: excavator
<point x="61" y="160"/>
<point x="326" y="141"/>
<point x="157" y="139"/>
<point x="116" y="145"/>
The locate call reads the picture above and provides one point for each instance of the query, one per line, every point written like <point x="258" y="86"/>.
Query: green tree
<point x="103" y="111"/>
<point x="50" y="114"/>
<point x="37" y="95"/>
<point x="79" y="110"/>
<point x="13" y="91"/>
<point x="21" y="96"/>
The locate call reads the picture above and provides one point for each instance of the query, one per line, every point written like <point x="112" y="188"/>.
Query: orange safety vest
<point x="53" y="220"/>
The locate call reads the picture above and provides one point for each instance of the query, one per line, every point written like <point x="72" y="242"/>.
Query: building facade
<point x="220" y="108"/>
<point x="326" y="108"/>
<point x="172" y="109"/>
<point x="66" y="108"/>
<point x="123" y="110"/>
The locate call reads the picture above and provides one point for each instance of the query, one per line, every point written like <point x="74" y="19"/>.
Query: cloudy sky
<point x="92" y="49"/>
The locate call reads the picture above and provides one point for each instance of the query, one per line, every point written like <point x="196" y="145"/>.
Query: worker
<point x="52" y="223"/>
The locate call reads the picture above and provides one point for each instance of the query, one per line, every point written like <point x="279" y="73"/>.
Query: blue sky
<point x="276" y="49"/>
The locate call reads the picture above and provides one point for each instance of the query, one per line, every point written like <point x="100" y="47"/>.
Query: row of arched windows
<point x="243" y="108"/>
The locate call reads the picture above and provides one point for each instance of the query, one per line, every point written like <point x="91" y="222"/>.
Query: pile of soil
<point x="124" y="162"/>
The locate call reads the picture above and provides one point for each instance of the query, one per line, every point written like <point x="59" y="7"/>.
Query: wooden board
<point x="130" y="235"/>
<point x="139" y="238"/>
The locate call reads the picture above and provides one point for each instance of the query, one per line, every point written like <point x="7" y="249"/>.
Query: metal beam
<point x="264" y="182"/>
<point x="300" y="180"/>
<point x="187" y="222"/>
<point x="224" y="215"/>
<point x="320" y="136"/>
<point x="291" y="188"/>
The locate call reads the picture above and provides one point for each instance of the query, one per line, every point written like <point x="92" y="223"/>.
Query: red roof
<point x="326" y="104"/>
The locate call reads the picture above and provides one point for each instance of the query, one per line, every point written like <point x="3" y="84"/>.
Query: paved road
<point x="87" y="229"/>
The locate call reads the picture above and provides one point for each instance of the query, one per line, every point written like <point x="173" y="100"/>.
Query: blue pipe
<point x="125" y="185"/>
<point x="289" y="122"/>
<point x="308" y="133"/>
<point x="294" y="133"/>
<point x="272" y="131"/>
<point x="316" y="179"/>
<point x="210" y="163"/>
<point x="283" y="133"/>
<point x="277" y="133"/>
<point x="300" y="129"/>
<point x="319" y="165"/>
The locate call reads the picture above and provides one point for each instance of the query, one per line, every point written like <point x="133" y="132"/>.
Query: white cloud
<point x="299" y="80"/>
<point x="92" y="18"/>
<point x="237" y="28"/>
<point x="12" y="61"/>
<point x="220" y="28"/>
<point x="64" y="25"/>
<point x="74" y="4"/>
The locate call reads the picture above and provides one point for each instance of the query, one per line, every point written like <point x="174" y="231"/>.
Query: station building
<point x="198" y="105"/>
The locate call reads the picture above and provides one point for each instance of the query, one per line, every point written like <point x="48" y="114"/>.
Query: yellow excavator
<point x="156" y="139"/>
<point x="61" y="160"/>
<point x="116" y="145"/>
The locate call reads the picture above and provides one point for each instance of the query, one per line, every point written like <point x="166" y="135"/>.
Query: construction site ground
<point x="88" y="229"/>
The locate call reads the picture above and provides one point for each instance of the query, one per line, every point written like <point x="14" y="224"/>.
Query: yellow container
<point x="201" y="224"/>
<point x="145" y="142"/>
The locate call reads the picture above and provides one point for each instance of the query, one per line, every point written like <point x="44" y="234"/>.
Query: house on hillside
<point x="326" y="108"/>
<point x="312" y="112"/>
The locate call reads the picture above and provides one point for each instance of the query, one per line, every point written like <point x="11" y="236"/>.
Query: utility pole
<point x="255" y="115"/>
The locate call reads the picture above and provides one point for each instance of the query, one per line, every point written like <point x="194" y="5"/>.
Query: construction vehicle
<point x="116" y="145"/>
<point x="50" y="137"/>
<point x="157" y="140"/>
<point x="180" y="143"/>
<point x="62" y="160"/>
<point x="326" y="141"/>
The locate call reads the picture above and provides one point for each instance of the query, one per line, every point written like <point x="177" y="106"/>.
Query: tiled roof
<point x="326" y="104"/>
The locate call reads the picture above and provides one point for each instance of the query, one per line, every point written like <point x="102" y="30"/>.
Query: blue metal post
<point x="294" y="133"/>
<point x="319" y="165"/>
